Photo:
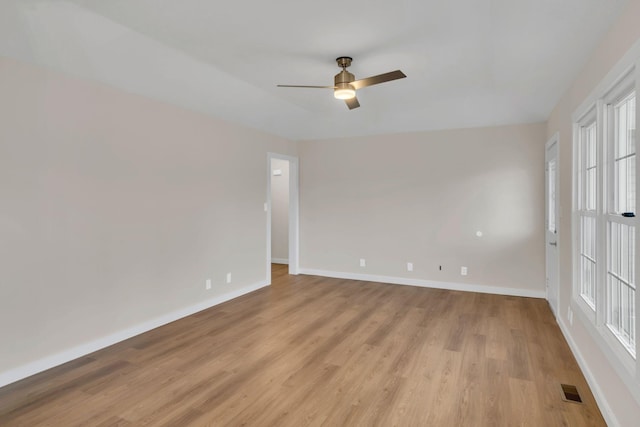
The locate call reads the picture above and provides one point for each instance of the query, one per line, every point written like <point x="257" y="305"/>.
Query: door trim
<point x="554" y="140"/>
<point x="294" y="220"/>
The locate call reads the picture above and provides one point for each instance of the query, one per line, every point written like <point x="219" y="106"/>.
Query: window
<point x="620" y="284"/>
<point x="605" y="218"/>
<point x="620" y="280"/>
<point x="624" y="158"/>
<point x="588" y="260"/>
<point x="588" y="167"/>
<point x="587" y="185"/>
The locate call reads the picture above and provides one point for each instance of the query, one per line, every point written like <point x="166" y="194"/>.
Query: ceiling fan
<point x="345" y="83"/>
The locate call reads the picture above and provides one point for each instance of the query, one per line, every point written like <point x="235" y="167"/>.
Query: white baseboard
<point x="279" y="261"/>
<point x="48" y="362"/>
<point x="427" y="283"/>
<point x="598" y="394"/>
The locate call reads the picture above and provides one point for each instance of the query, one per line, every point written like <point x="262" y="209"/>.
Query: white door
<point x="551" y="229"/>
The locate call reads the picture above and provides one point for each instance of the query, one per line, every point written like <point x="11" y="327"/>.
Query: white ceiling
<point x="469" y="62"/>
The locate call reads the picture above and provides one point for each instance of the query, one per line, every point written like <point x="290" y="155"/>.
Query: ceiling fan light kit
<point x="344" y="91"/>
<point x="345" y="83"/>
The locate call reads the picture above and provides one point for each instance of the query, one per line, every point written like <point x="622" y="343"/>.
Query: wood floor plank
<point x="313" y="351"/>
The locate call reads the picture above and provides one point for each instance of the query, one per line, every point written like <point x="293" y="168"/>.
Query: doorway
<point x="282" y="212"/>
<point x="551" y="222"/>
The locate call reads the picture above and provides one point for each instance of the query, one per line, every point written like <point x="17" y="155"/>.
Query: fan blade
<point x="352" y="103"/>
<point x="309" y="87"/>
<point x="380" y="78"/>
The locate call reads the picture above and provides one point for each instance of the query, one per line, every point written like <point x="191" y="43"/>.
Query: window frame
<point x="618" y="92"/>
<point x="622" y="80"/>
<point x="588" y="118"/>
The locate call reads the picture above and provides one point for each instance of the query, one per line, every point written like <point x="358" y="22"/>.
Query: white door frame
<point x="552" y="247"/>
<point x="293" y="213"/>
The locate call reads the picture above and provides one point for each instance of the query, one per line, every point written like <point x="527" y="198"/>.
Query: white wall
<point x="280" y="211"/>
<point x="421" y="198"/>
<point x="115" y="209"/>
<point x="624" y="33"/>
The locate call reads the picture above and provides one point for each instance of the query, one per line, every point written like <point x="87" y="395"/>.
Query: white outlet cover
<point x="208" y="284"/>
<point x="463" y="271"/>
<point x="228" y="277"/>
<point x="409" y="266"/>
<point x="363" y="262"/>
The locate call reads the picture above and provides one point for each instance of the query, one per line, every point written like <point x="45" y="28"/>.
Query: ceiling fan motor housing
<point x="343" y="78"/>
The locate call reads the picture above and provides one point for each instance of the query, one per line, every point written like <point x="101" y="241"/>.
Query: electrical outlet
<point x="363" y="262"/>
<point x="208" y="284"/>
<point x="228" y="277"/>
<point x="409" y="266"/>
<point x="463" y="271"/>
<point x="570" y="316"/>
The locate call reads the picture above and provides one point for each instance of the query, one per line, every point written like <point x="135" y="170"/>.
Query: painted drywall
<point x="280" y="211"/>
<point x="421" y="198"/>
<point x="624" y="33"/>
<point x="115" y="209"/>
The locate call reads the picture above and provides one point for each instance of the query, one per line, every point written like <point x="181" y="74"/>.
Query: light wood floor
<point x="318" y="351"/>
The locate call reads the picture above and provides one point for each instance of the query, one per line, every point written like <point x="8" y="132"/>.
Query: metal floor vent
<point x="570" y="393"/>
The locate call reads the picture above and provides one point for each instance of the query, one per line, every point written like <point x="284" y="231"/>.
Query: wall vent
<point x="570" y="393"/>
